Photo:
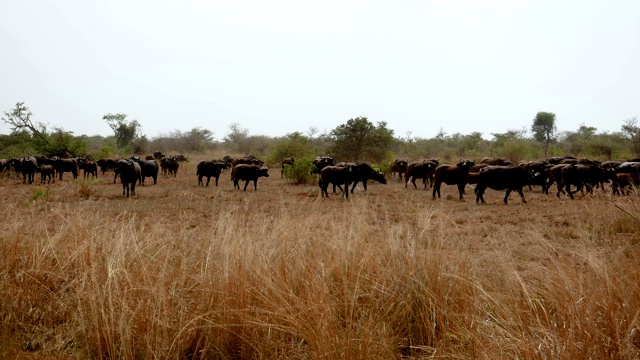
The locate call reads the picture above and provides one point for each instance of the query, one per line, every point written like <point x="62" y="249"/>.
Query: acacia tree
<point x="359" y="139"/>
<point x="544" y="129"/>
<point x="125" y="130"/>
<point x="19" y="119"/>
<point x="57" y="142"/>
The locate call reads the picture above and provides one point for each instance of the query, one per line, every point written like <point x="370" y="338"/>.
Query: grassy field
<point x="182" y="271"/>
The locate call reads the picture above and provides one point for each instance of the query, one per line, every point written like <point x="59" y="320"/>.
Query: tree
<point x="238" y="138"/>
<point x="125" y="130"/>
<point x="359" y="139"/>
<point x="631" y="132"/>
<point x="19" y="119"/>
<point x="544" y="129"/>
<point x="294" y="145"/>
<point x="58" y="142"/>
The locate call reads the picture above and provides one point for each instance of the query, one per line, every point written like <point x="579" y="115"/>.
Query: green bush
<point x="300" y="171"/>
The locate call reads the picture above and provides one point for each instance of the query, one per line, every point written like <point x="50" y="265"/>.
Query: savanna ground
<point x="181" y="271"/>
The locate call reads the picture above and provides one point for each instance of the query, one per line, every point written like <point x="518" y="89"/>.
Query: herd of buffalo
<point x="500" y="174"/>
<point x="491" y="172"/>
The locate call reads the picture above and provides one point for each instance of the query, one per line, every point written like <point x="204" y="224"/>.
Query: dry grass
<point x="182" y="271"/>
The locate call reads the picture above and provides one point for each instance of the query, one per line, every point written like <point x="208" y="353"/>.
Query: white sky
<point x="276" y="67"/>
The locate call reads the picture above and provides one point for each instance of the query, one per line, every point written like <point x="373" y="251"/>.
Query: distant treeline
<point x="356" y="140"/>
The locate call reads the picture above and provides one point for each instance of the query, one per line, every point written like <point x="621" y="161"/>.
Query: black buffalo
<point x="28" y="167"/>
<point x="209" y="169"/>
<point x="130" y="173"/>
<point x="399" y="166"/>
<point x="107" y="165"/>
<point x="89" y="168"/>
<point x="158" y="155"/>
<point x="320" y="162"/>
<point x="419" y="170"/>
<point x="169" y="166"/>
<point x="580" y="175"/>
<point x="625" y="183"/>
<point x="248" y="173"/>
<point x="509" y="178"/>
<point x="148" y="168"/>
<point x="363" y="172"/>
<point x="452" y="175"/>
<point x="65" y="165"/>
<point x="555" y="175"/>
<point x="247" y="160"/>
<point x="555" y="160"/>
<point x="337" y="176"/>
<point x="47" y="172"/>
<point x="495" y="161"/>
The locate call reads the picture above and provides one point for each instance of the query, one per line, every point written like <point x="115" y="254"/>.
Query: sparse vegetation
<point x="300" y="171"/>
<point x="190" y="272"/>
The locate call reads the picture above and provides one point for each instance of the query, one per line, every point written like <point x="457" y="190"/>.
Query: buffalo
<point x="130" y="173"/>
<point x="320" y="162"/>
<point x="65" y="165"/>
<point x="555" y="160"/>
<point x="509" y="178"/>
<point x="148" y="168"/>
<point x="337" y="176"/>
<point x="495" y="161"/>
<point x="581" y="175"/>
<point x="399" y="166"/>
<point x="537" y="167"/>
<point x="158" y="155"/>
<point x="107" y="165"/>
<point x="452" y="175"/>
<point x="247" y="160"/>
<point x="624" y="183"/>
<point x="419" y="170"/>
<point x="28" y="167"/>
<point x="89" y="168"/>
<point x="363" y="172"/>
<point x="555" y="175"/>
<point x="47" y="172"/>
<point x="169" y="166"/>
<point x="248" y="173"/>
<point x="209" y="169"/>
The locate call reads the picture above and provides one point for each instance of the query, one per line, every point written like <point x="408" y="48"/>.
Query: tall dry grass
<point x="241" y="277"/>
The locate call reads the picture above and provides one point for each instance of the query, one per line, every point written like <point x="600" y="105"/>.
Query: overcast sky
<point x="276" y="67"/>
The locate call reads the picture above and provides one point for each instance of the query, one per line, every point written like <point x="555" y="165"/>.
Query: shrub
<point x="300" y="171"/>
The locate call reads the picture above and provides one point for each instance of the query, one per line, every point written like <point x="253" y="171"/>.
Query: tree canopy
<point x="544" y="129"/>
<point x="124" y="130"/>
<point x="33" y="137"/>
<point x="359" y="139"/>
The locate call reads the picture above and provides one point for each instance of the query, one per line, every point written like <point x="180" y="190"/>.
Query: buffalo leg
<point x="436" y="189"/>
<point x="521" y="195"/>
<point x="324" y="185"/>
<point x="506" y="196"/>
<point x="461" y="190"/>
<point x="568" y="189"/>
<point x="479" y="190"/>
